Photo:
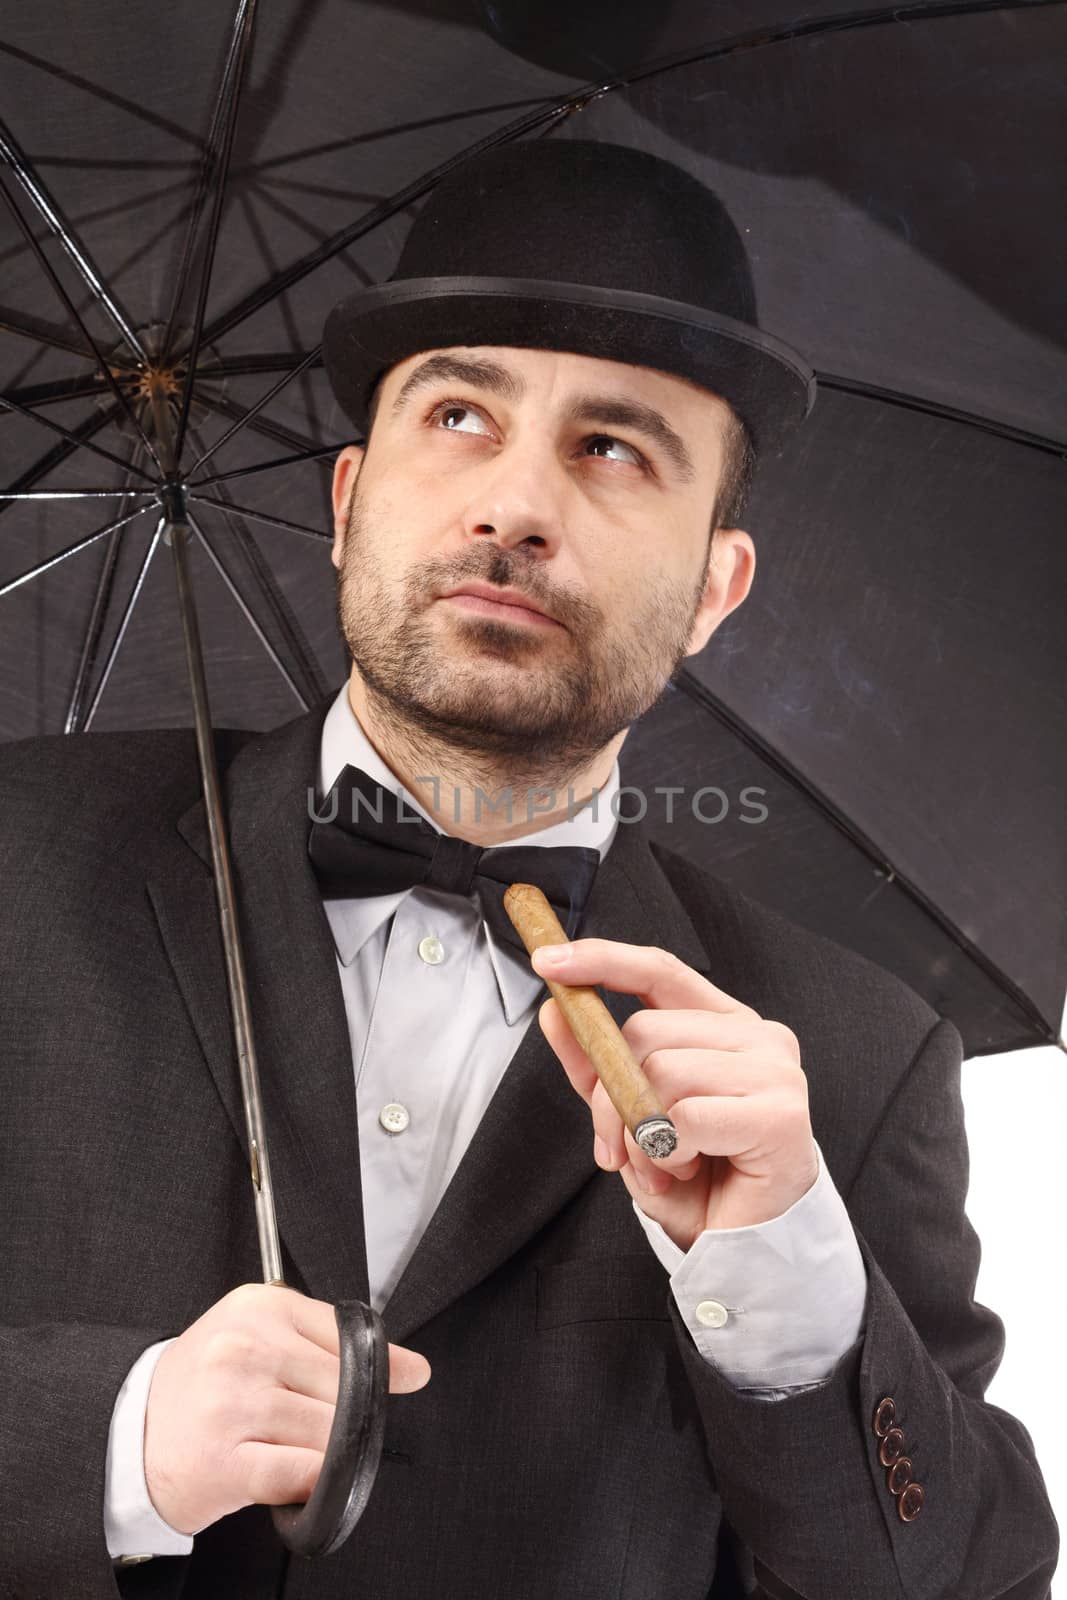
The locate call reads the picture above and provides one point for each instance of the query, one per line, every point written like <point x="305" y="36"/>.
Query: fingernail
<point x="553" y="955"/>
<point x="600" y="1151"/>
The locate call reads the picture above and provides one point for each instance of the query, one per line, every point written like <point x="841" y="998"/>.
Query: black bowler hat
<point x="574" y="245"/>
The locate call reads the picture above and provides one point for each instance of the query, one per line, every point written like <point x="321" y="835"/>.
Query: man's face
<point x="584" y="486"/>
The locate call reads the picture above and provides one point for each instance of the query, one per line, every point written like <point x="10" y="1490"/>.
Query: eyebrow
<point x="483" y="374"/>
<point x="600" y="410"/>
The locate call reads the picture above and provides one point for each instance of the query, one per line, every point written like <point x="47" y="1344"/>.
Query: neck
<point x="476" y="799"/>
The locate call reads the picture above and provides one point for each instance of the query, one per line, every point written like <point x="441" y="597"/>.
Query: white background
<point x="1016" y="1110"/>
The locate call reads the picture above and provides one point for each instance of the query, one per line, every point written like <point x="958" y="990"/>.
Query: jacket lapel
<point x="298" y="1017"/>
<point x="533" y="1148"/>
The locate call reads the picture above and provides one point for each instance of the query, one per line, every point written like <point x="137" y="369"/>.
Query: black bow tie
<point x="371" y="845"/>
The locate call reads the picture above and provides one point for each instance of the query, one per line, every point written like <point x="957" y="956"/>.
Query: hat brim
<point x="768" y="385"/>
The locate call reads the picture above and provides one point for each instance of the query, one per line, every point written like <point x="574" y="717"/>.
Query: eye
<point x="605" y="439"/>
<point x="458" y="418"/>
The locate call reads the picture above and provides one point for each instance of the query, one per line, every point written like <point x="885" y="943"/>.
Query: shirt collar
<point x="353" y="922"/>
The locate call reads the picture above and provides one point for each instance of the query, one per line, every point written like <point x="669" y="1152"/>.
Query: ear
<point x="345" y="473"/>
<point x="731" y="569"/>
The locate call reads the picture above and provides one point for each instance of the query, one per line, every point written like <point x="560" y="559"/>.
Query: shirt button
<point x="394" y="1117"/>
<point x="431" y="950"/>
<point x="710" y="1314"/>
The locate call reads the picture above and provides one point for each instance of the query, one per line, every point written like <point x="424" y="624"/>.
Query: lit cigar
<point x="595" y="1029"/>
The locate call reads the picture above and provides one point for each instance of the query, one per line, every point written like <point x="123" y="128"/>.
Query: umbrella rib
<point x="203" y="183"/>
<point x="269" y="430"/>
<point x="418" y="125"/>
<point x="71" y="550"/>
<point x="94" y="628"/>
<point x="73" y="494"/>
<point x="124" y="623"/>
<point x="935" y="408"/>
<point x="96" y="91"/>
<point x="289" y="214"/>
<point x="82" y="444"/>
<point x="226" y="111"/>
<point x="49" y="212"/>
<point x="705" y="697"/>
<point x="252" y="366"/>
<point x="320" y="454"/>
<point x="40" y="333"/>
<point x="302" y="657"/>
<point x="55" y="393"/>
<point x="61" y="452"/>
<point x="254" y="410"/>
<point x="305" y="704"/>
<point x="50" y="273"/>
<point x="95" y="624"/>
<point x="811" y="27"/>
<point x="264" y="517"/>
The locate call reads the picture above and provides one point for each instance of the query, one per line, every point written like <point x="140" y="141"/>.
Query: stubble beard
<point x="516" y="703"/>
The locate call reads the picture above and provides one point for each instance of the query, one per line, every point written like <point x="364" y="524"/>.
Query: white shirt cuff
<point x="775" y="1305"/>
<point x="132" y="1525"/>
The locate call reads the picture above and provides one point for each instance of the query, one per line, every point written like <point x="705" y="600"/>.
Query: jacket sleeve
<point x="60" y="1381"/>
<point x="805" y="1481"/>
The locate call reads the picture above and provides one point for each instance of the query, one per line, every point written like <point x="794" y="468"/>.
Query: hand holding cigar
<point x="737" y="1143"/>
<point x="595" y="1029"/>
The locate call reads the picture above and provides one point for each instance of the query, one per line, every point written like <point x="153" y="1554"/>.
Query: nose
<point x="518" y="500"/>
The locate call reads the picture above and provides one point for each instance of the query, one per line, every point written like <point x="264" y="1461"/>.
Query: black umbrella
<point x="873" y="744"/>
<point x="194" y="193"/>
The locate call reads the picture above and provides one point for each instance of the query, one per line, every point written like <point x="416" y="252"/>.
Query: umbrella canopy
<point x="188" y="197"/>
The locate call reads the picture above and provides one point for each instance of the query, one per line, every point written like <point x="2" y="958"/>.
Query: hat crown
<point x="571" y="244"/>
<point x="580" y="211"/>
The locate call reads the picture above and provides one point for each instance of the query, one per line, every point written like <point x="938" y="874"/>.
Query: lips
<point x="502" y="597"/>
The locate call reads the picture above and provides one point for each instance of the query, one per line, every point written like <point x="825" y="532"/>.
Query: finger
<point x="609" y="1152"/>
<point x="293" y="1419"/>
<point x="747" y="1128"/>
<point x="656" y="1177"/>
<point x="277" y="1475"/>
<point x="647" y="1030"/>
<point x="676" y="1075"/>
<point x="656" y="976"/>
<point x="575" y="1062"/>
<point x="608" y="1127"/>
<point x="617" y="1148"/>
<point x="306" y="1369"/>
<point x="314" y="1320"/>
<point x="408" y="1370"/>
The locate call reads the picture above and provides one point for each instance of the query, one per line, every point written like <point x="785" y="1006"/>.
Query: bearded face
<point x="510" y="691"/>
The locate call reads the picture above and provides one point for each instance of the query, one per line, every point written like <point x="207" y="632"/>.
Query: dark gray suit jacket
<point x="571" y="1444"/>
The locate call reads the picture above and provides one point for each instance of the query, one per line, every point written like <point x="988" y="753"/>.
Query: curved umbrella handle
<point x="354" y="1449"/>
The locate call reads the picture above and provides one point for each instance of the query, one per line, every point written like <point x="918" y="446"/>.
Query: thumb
<point x="407" y="1370"/>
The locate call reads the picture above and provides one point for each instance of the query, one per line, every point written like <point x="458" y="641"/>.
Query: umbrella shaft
<point x="177" y="535"/>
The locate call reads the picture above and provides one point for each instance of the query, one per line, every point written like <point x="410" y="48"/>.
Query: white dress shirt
<point x="772" y="1306"/>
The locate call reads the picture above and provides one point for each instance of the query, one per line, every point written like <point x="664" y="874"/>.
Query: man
<point x="758" y="1359"/>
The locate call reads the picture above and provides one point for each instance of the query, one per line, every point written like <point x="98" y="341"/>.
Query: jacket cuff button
<point x="885" y="1414"/>
<point x="910" y="1502"/>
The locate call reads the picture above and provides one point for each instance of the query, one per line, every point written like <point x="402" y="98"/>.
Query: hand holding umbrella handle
<point x="354" y="1448"/>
